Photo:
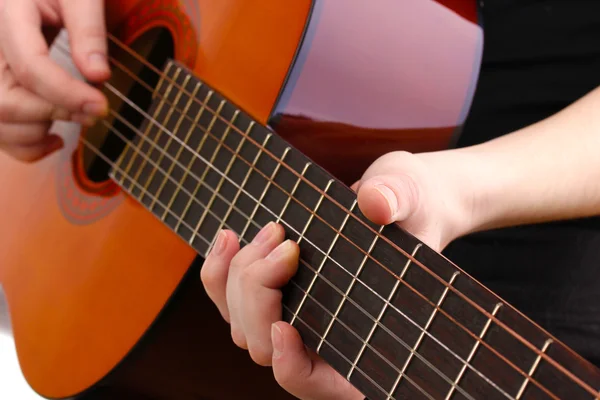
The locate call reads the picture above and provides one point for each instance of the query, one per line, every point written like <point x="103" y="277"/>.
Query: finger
<point x="265" y="241"/>
<point x="388" y="198"/>
<point x="23" y="134"/>
<point x="26" y="52"/>
<point x="261" y="283"/>
<point x="84" y="20"/>
<point x="29" y="154"/>
<point x="215" y="270"/>
<point x="306" y="377"/>
<point x="20" y="105"/>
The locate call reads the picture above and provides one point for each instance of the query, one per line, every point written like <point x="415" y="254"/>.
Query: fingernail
<point x="389" y="196"/>
<point x="219" y="244"/>
<point x="279" y="251"/>
<point x="264" y="234"/>
<point x="94" y="109"/>
<point x="97" y="62"/>
<point x="277" y="339"/>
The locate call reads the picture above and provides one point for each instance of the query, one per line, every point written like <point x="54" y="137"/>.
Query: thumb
<point x="386" y="199"/>
<point x="85" y="23"/>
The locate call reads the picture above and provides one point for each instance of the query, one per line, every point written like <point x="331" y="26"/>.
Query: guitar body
<point x="86" y="270"/>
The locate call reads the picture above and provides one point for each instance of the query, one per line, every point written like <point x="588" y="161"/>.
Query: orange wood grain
<point x="82" y="295"/>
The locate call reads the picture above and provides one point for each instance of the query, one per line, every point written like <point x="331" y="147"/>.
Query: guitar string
<point x="499" y="323"/>
<point x="406" y="284"/>
<point x="233" y="206"/>
<point x="209" y="243"/>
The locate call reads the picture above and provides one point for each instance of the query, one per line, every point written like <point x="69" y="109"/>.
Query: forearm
<point x="548" y="171"/>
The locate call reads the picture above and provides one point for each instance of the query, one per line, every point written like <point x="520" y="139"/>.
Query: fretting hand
<point x="245" y="284"/>
<point x="34" y="90"/>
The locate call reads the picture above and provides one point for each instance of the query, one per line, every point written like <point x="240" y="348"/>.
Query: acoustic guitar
<point x="230" y="114"/>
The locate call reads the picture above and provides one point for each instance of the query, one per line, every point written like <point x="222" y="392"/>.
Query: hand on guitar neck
<point x="244" y="283"/>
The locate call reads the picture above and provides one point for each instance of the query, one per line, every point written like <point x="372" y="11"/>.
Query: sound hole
<point x="155" y="47"/>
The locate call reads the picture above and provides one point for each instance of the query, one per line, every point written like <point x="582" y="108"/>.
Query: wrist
<point x="461" y="188"/>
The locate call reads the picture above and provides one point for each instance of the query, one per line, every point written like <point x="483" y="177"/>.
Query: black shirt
<point x="539" y="57"/>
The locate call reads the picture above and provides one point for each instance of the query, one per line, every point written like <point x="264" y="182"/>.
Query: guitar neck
<point x="385" y="310"/>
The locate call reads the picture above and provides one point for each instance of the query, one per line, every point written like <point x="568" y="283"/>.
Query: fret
<point x="422" y="335"/>
<point x="347" y="293"/>
<point x="158" y="136"/>
<point x="154" y="143"/>
<point x="532" y="369"/>
<point x="264" y="192"/>
<point x="180" y="151"/>
<point x="244" y="182"/>
<point x="137" y="148"/>
<point x="386" y="305"/>
<point x="202" y="178"/>
<point x="188" y="168"/>
<point x="310" y="286"/>
<point x="472" y="353"/>
<point x="207" y="170"/>
<point x="291" y="195"/>
<point x="175" y="160"/>
<point x="226" y="173"/>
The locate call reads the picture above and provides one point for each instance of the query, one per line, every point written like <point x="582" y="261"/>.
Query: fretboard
<point x="394" y="317"/>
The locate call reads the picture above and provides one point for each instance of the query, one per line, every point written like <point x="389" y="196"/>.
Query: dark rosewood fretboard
<point x="399" y="324"/>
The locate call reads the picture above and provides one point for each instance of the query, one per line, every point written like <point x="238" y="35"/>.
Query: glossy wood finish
<point x="85" y="276"/>
<point x="402" y="78"/>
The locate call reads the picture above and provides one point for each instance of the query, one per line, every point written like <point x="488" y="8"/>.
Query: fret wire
<point x="317" y="206"/>
<point x="156" y="113"/>
<point x="188" y="168"/>
<point x="180" y="150"/>
<point x="264" y="192"/>
<point x="169" y="141"/>
<point x="533" y="368"/>
<point x="243" y="185"/>
<point x="422" y="335"/>
<point x="222" y="180"/>
<point x="209" y="164"/>
<point x="574" y="378"/>
<point x="158" y="135"/>
<point x="353" y="302"/>
<point x="293" y="192"/>
<point x="343" y="301"/>
<point x="299" y="308"/>
<point x="250" y="220"/>
<point x="472" y="353"/>
<point x="335" y="239"/>
<point x="208" y="167"/>
<point x="406" y="284"/>
<point x="385" y="305"/>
